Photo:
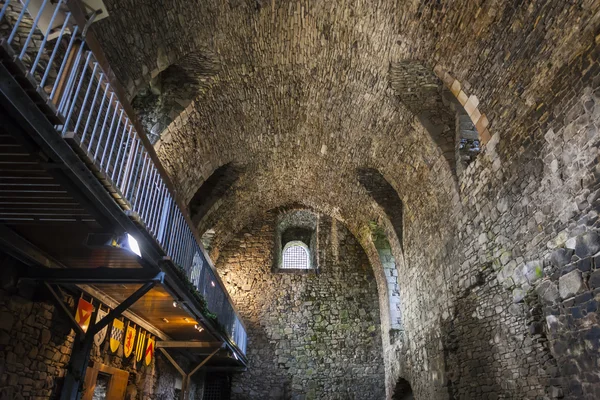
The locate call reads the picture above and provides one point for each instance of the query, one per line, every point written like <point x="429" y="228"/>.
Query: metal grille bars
<point x="45" y="39"/>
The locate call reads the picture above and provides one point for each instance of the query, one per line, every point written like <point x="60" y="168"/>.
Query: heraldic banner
<point x="149" y="350"/>
<point x="100" y="336"/>
<point x="84" y="314"/>
<point x="139" y="348"/>
<point x="116" y="335"/>
<point x="129" y="340"/>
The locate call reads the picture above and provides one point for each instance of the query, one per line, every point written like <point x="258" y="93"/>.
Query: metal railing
<point x="46" y="40"/>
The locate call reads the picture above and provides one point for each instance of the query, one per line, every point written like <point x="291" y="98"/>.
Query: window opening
<point x="296" y="256"/>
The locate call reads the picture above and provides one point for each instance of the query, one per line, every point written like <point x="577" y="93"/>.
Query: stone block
<point x="587" y="244"/>
<point x="518" y="295"/>
<point x="548" y="292"/>
<point x="570" y="284"/>
<point x="533" y="271"/>
<point x="6" y="321"/>
<point x="561" y="257"/>
<point x="594" y="280"/>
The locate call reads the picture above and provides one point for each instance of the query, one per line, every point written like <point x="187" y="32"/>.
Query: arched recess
<point x="169" y="92"/>
<point x="403" y="390"/>
<point x="296" y="226"/>
<point x="388" y="262"/>
<point x="385" y="196"/>
<point x="394" y="345"/>
<point x="447" y="113"/>
<point x="206" y="199"/>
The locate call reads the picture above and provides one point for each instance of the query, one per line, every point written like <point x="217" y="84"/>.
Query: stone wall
<point x="36" y="343"/>
<point x="481" y="335"/>
<point x="311" y="336"/>
<point x="304" y="100"/>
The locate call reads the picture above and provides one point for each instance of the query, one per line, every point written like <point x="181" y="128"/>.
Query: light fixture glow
<point x="212" y="283"/>
<point x="174" y="304"/>
<point x="165" y="320"/>
<point x="133" y="245"/>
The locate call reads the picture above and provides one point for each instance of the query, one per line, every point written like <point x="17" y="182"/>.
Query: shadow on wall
<point x="168" y="94"/>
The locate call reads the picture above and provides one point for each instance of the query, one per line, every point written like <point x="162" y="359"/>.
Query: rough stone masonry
<point x="496" y="300"/>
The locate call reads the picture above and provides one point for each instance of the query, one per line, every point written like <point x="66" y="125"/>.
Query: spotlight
<point x="212" y="283"/>
<point x="174" y="304"/>
<point x="133" y="245"/>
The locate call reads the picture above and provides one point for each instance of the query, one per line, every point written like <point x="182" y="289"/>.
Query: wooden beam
<point x="188" y="344"/>
<point x="68" y="313"/>
<point x="99" y="275"/>
<point x="112" y="303"/>
<point x="181" y="371"/>
<point x="202" y="363"/>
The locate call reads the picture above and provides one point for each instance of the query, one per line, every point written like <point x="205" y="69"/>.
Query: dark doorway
<point x="403" y="391"/>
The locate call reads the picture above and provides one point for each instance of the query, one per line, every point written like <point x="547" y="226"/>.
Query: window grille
<point x="295" y="256"/>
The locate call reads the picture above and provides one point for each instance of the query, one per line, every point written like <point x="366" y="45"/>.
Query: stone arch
<point x="385" y="196"/>
<point x="296" y="226"/>
<point x="388" y="262"/>
<point x="171" y="90"/>
<point x="447" y="113"/>
<point x="206" y="199"/>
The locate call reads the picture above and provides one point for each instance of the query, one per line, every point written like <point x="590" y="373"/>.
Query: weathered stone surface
<point x="594" y="280"/>
<point x="561" y="257"/>
<point x="310" y="335"/>
<point x="570" y="284"/>
<point x="548" y="291"/>
<point x="587" y="245"/>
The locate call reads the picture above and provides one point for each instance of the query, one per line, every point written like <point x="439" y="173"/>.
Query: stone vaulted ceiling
<point x="301" y="97"/>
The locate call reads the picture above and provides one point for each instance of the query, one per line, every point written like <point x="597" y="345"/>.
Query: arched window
<point x="296" y="255"/>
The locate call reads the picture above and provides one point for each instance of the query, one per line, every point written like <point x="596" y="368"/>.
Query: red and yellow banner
<point x="84" y="314"/>
<point x="149" y="350"/>
<point x="129" y="340"/>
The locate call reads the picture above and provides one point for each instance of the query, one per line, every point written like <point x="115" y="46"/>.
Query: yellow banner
<point x="116" y="335"/>
<point x="139" y="349"/>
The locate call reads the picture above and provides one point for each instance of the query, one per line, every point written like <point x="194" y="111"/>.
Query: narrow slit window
<point x="296" y="256"/>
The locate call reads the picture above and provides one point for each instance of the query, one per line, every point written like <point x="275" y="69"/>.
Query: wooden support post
<point x="80" y="358"/>
<point x="185" y="378"/>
